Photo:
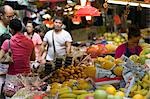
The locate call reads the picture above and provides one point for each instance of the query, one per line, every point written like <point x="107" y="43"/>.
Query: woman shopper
<point x="35" y="37"/>
<point x="131" y="47"/>
<point x="22" y="50"/>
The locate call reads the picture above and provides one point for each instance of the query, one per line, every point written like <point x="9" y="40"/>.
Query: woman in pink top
<point x="131" y="47"/>
<point x="22" y="50"/>
<point x="37" y="41"/>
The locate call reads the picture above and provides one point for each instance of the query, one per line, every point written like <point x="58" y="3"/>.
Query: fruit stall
<point x="91" y="72"/>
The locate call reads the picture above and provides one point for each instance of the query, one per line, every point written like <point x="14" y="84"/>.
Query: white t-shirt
<point x="59" y="40"/>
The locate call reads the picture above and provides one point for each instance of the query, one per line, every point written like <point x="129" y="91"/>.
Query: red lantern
<point x="76" y="20"/>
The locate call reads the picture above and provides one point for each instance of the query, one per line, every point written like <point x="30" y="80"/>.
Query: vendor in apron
<point x="131" y="47"/>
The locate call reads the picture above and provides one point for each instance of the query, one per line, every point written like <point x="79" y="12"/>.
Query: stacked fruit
<point x="144" y="55"/>
<point x="110" y="63"/>
<point x="66" y="73"/>
<point x="70" y="89"/>
<point x="141" y="86"/>
<point x="116" y="38"/>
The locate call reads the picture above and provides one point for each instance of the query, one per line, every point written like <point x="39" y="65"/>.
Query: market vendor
<point x="131" y="47"/>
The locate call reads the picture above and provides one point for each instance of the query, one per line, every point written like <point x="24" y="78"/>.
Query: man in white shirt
<point x="58" y="40"/>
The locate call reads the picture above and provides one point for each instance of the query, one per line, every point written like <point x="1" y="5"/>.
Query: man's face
<point x="58" y="24"/>
<point x="7" y="16"/>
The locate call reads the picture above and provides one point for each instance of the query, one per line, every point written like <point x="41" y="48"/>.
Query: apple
<point x="100" y="94"/>
<point x="145" y="51"/>
<point x="110" y="97"/>
<point x="89" y="97"/>
<point x="142" y="59"/>
<point x="118" y="97"/>
<point x="114" y="34"/>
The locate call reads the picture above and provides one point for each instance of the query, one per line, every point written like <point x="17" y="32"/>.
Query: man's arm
<point x="68" y="48"/>
<point x="32" y="58"/>
<point x="44" y="49"/>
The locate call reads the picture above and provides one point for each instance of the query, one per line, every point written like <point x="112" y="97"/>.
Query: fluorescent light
<point x="130" y="3"/>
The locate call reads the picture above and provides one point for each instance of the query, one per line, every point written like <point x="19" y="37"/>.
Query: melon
<point x="145" y="51"/>
<point x="118" y="70"/>
<point x="134" y="58"/>
<point x="107" y="65"/>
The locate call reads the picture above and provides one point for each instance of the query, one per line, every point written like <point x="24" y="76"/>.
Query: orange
<point x="107" y="64"/>
<point x="111" y="90"/>
<point x="138" y="96"/>
<point x="118" y="70"/>
<point x="120" y="93"/>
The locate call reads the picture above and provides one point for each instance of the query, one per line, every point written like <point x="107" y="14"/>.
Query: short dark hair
<point x="59" y="18"/>
<point x="16" y="25"/>
<point x="33" y="23"/>
<point x="2" y="9"/>
<point x="133" y="31"/>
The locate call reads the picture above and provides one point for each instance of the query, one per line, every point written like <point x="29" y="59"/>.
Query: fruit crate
<point x="102" y="81"/>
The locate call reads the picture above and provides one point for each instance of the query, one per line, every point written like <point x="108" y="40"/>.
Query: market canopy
<point x="87" y="10"/>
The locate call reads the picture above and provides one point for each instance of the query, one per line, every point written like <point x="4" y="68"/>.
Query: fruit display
<point x="141" y="87"/>
<point x="66" y="92"/>
<point x="96" y="50"/>
<point x="70" y="89"/>
<point x="66" y="73"/>
<point x="110" y="63"/>
<point x="117" y="39"/>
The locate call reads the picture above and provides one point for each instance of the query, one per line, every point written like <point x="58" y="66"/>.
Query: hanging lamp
<point x="87" y="10"/>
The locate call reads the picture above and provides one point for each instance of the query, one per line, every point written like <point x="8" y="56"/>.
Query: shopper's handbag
<point x="12" y="85"/>
<point x="7" y="58"/>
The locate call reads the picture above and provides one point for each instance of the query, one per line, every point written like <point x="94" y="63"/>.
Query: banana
<point x="64" y="90"/>
<point x="146" y="77"/>
<point x="67" y="95"/>
<point x="142" y="92"/>
<point x="139" y="87"/>
<point x="79" y="92"/>
<point x="134" y="87"/>
<point x="139" y="82"/>
<point x="103" y="87"/>
<point x="146" y="81"/>
<point x="122" y="89"/>
<point x="145" y="85"/>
